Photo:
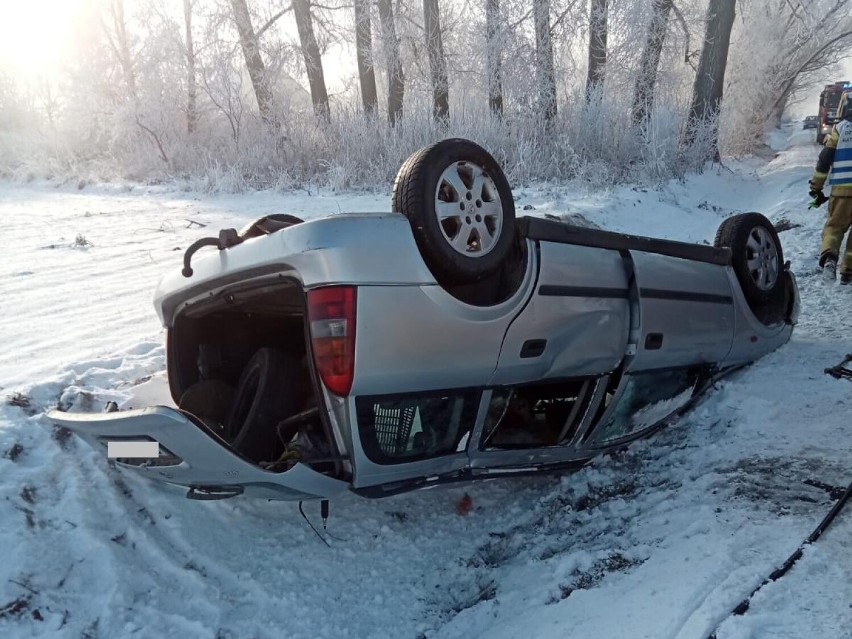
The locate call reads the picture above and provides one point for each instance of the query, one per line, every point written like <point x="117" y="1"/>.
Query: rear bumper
<point x="193" y="456"/>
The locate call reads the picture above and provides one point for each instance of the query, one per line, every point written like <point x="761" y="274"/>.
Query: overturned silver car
<point x="447" y="341"/>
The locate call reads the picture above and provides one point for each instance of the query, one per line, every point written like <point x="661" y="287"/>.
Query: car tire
<point x="758" y="262"/>
<point x="209" y="399"/>
<point x="265" y="395"/>
<point x="460" y="207"/>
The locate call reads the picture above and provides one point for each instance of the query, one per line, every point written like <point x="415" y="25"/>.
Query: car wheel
<point x="460" y="206"/>
<point x="758" y="261"/>
<point x="265" y="395"/>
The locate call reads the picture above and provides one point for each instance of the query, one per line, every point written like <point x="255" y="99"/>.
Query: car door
<point x="637" y="403"/>
<point x="577" y="322"/>
<point x="527" y="426"/>
<point x="686" y="311"/>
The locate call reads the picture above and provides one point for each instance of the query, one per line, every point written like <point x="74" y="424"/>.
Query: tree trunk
<point x="643" y="94"/>
<point x="313" y="60"/>
<point x="545" y="76"/>
<point x="493" y="56"/>
<point x="254" y="63"/>
<point x="396" y="78"/>
<point x="597" y="47"/>
<point x="191" y="82"/>
<point x="364" y="54"/>
<point x="710" y="78"/>
<point x="121" y="47"/>
<point x="779" y="107"/>
<point x="437" y="61"/>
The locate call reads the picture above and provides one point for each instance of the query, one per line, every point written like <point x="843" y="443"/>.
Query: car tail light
<point x="331" y="314"/>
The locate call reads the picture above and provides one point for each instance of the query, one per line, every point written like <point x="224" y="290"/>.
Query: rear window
<point x="396" y="429"/>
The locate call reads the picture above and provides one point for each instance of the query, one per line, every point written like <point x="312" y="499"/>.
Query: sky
<point x="35" y="34"/>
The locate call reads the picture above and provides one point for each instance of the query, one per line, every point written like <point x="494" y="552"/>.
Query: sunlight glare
<point x="34" y="34"/>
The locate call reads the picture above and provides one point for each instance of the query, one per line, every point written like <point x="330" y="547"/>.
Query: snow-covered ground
<point x="661" y="541"/>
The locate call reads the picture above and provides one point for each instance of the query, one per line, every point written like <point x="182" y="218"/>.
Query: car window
<point x="647" y="399"/>
<point x="402" y="428"/>
<point x="536" y="415"/>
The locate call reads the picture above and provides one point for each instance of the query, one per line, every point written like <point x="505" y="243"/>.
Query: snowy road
<point x="660" y="542"/>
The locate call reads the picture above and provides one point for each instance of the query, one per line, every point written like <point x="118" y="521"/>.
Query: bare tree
<point x="710" y="78"/>
<point x="643" y="94"/>
<point x="396" y="77"/>
<point x="817" y="36"/>
<point x="311" y="54"/>
<point x="437" y="61"/>
<point x="364" y="54"/>
<point x="493" y="56"/>
<point x="119" y="44"/>
<point x="544" y="70"/>
<point x="191" y="81"/>
<point x="224" y="90"/>
<point x="254" y="63"/>
<point x="597" y="46"/>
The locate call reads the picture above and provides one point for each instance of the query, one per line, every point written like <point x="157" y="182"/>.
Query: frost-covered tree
<point x="598" y="14"/>
<point x="393" y="63"/>
<point x="115" y="30"/>
<point x="254" y="62"/>
<point x="437" y="61"/>
<point x="544" y="67"/>
<point x="800" y="46"/>
<point x="312" y="57"/>
<point x="646" y="78"/>
<point x="494" y="56"/>
<point x="710" y="77"/>
<point x="191" y="78"/>
<point x="161" y="90"/>
<point x="364" y="55"/>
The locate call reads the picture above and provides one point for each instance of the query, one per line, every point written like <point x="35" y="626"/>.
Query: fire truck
<point x="829" y="100"/>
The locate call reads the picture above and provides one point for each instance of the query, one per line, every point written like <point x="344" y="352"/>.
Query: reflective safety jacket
<point x="836" y="158"/>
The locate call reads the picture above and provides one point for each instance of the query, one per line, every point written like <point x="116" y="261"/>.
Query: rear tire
<point x="461" y="210"/>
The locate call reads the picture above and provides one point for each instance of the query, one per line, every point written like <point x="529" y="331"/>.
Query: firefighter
<point x="836" y="157"/>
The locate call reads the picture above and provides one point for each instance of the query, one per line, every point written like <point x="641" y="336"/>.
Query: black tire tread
<point x="768" y="306"/>
<point x="407" y="197"/>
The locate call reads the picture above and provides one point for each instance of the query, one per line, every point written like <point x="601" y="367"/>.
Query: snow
<point x="662" y="540"/>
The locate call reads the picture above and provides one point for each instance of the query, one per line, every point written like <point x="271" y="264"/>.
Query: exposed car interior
<point x="239" y="362"/>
